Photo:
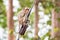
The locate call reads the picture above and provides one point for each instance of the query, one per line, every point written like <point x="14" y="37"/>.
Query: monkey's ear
<point x="26" y="8"/>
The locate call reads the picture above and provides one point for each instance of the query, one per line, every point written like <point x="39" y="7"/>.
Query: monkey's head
<point x="26" y="9"/>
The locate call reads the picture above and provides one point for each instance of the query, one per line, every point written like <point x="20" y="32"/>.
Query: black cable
<point x="30" y="10"/>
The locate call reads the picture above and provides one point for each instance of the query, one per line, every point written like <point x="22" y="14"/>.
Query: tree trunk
<point x="36" y="19"/>
<point x="55" y="34"/>
<point x="10" y="22"/>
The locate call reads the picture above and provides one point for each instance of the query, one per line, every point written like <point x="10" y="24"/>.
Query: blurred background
<point x="44" y="19"/>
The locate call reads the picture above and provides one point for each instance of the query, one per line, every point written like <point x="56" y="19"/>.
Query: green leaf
<point x="2" y="15"/>
<point x="56" y="29"/>
<point x="25" y="3"/>
<point x="46" y="11"/>
<point x="57" y="9"/>
<point x="58" y="19"/>
<point x="32" y="18"/>
<point x="49" y="22"/>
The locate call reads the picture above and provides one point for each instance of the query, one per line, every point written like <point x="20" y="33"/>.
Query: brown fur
<point x="22" y="21"/>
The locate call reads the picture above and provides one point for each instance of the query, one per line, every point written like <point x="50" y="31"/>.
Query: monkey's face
<point x="26" y="10"/>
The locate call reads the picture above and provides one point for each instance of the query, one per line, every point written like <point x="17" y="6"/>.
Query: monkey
<point x="22" y="20"/>
<point x="22" y="14"/>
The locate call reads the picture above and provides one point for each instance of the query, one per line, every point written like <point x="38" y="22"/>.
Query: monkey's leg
<point x="23" y="29"/>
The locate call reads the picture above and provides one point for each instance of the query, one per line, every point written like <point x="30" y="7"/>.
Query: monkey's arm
<point x="21" y="17"/>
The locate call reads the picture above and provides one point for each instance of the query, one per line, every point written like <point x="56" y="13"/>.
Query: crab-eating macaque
<point x="22" y="20"/>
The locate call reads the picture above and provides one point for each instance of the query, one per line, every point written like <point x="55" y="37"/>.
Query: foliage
<point x="57" y="9"/>
<point x="47" y="34"/>
<point x="58" y="19"/>
<point x="49" y="22"/>
<point x="47" y="5"/>
<point x="24" y="3"/>
<point x="2" y="14"/>
<point x="32" y="18"/>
